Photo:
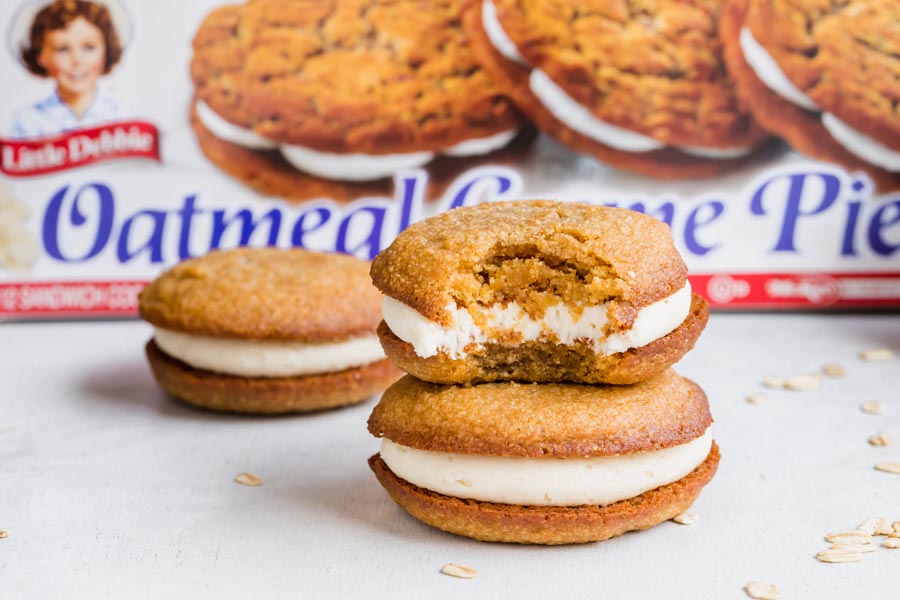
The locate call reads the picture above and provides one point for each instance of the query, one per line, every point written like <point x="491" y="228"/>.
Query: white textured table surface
<point x="110" y="490"/>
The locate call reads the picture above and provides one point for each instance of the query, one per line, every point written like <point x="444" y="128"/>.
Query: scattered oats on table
<point x="834" y="370"/>
<point x="3" y="534"/>
<point x="460" y="571"/>
<point x="850" y="537"/>
<point x="756" y="398"/>
<point x="891" y="543"/>
<point x="880" y="439"/>
<point x="249" y="479"/>
<point x="803" y="383"/>
<point x="776" y="383"/>
<point x="686" y="518"/>
<point x="873" y="407"/>
<point x="867" y="547"/>
<point x="839" y="556"/>
<point x="889" y="467"/>
<point x="761" y="591"/>
<point x="876" y="354"/>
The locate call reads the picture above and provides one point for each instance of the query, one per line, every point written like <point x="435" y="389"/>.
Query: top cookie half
<point x="265" y="294"/>
<point x="538" y="291"/>
<point x="363" y="76"/>
<point x="641" y="85"/>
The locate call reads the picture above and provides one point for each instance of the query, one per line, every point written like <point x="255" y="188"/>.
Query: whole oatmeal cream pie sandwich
<point x="266" y="330"/>
<point x="544" y="463"/>
<point x="536" y="291"/>
<point x="823" y="75"/>
<point x="639" y="85"/>
<point x="289" y="93"/>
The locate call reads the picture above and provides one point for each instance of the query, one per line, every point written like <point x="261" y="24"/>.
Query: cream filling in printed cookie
<point x="545" y="481"/>
<point x="497" y="35"/>
<point x="857" y="143"/>
<point x="475" y="326"/>
<point x="571" y="113"/>
<point x="263" y="358"/>
<point x="230" y="132"/>
<point x="345" y="167"/>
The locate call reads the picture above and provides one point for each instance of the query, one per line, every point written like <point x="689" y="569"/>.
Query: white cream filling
<point x="480" y="146"/>
<point x="352" y="167"/>
<point x="497" y="35"/>
<point x="545" y="481"/>
<point x="464" y="335"/>
<point x="862" y="145"/>
<point x="770" y="73"/>
<point x="230" y="132"/>
<point x="256" y="358"/>
<point x="859" y="144"/>
<point x="345" y="167"/>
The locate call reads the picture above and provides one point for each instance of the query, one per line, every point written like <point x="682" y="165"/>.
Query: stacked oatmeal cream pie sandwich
<point x="540" y="407"/>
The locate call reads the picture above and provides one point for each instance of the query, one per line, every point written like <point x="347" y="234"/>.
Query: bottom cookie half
<point x="552" y="525"/>
<point x="273" y="395"/>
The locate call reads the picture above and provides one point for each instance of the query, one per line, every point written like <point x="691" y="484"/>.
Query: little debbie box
<point x="135" y="134"/>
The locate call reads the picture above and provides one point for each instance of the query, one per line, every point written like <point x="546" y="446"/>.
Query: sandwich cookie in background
<point x="266" y="330"/>
<point x="544" y="463"/>
<point x="536" y="291"/>
<point x="640" y="86"/>
<point x="305" y="98"/>
<point x="825" y="76"/>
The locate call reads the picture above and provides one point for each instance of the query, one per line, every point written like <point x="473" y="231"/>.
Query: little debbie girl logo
<point x="74" y="44"/>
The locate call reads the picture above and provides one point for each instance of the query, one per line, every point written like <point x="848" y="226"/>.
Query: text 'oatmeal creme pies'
<point x="641" y="86"/>
<point x="536" y="291"/>
<point x="544" y="463"/>
<point x="266" y="330"/>
<point x="824" y="75"/>
<point x="289" y="93"/>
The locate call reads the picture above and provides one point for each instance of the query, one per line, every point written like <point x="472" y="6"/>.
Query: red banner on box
<point x="111" y="141"/>
<point x="71" y="298"/>
<point x="747" y="291"/>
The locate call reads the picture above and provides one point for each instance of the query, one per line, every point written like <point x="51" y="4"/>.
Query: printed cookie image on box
<point x="640" y="90"/>
<point x="320" y="98"/>
<point x="824" y="76"/>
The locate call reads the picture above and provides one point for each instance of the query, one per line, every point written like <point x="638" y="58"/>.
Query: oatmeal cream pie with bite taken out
<point x="552" y="463"/>
<point x="536" y="291"/>
<point x="266" y="330"/>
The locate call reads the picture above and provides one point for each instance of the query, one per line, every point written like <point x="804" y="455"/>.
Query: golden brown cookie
<point x="348" y="78"/>
<point x="542" y="420"/>
<point x="551" y="525"/>
<point x="830" y="52"/>
<point x="266" y="330"/>
<point x="543" y="425"/>
<point x="652" y="69"/>
<point x="536" y="291"/>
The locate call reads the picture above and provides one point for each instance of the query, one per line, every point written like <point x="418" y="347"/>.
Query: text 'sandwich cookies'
<point x="350" y="91"/>
<point x="266" y="330"/>
<point x="640" y="86"/>
<point x="825" y="76"/>
<point x="544" y="463"/>
<point x="536" y="291"/>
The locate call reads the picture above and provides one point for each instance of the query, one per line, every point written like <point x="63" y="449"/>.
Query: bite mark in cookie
<point x="580" y="282"/>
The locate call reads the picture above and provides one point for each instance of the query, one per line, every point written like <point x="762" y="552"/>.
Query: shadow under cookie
<point x="552" y="525"/>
